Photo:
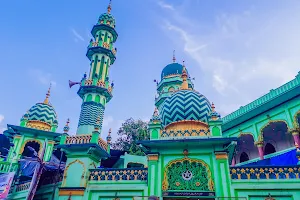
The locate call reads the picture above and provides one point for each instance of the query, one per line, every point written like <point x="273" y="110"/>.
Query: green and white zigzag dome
<point x="185" y="105"/>
<point x="42" y="112"/>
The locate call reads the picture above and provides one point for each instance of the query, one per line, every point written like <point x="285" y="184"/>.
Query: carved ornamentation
<point x="130" y="174"/>
<point x="239" y="173"/>
<point x="187" y="174"/>
<point x="153" y="157"/>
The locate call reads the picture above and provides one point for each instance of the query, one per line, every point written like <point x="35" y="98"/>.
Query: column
<point x="260" y="147"/>
<point x="152" y="174"/>
<point x="223" y="187"/>
<point x="295" y="133"/>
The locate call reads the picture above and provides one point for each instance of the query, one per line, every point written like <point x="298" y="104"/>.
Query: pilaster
<point x="223" y="189"/>
<point x="153" y="174"/>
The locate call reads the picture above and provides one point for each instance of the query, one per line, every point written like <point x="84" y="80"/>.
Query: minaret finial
<point x="174" y="58"/>
<point x="67" y="128"/>
<point x="46" y="101"/>
<point x="109" y="7"/>
<point x="184" y="85"/>
<point x="108" y="138"/>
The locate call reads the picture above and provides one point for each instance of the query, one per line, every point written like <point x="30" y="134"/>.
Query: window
<point x="269" y="148"/>
<point x="244" y="157"/>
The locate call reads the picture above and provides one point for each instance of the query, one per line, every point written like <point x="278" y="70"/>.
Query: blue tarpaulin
<point x="285" y="159"/>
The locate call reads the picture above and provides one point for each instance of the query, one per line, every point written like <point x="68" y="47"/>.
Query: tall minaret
<point x="96" y="89"/>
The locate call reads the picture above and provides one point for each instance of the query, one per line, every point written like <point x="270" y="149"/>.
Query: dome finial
<point x="184" y="85"/>
<point x="108" y="138"/>
<point x="174" y="58"/>
<point x="46" y="101"/>
<point x="213" y="107"/>
<point x="109" y="7"/>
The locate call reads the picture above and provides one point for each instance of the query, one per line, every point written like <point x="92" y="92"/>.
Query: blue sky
<point x="236" y="50"/>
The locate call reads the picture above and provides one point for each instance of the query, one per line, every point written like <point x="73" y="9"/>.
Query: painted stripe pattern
<point x="185" y="105"/>
<point x="90" y="111"/>
<point x="42" y="112"/>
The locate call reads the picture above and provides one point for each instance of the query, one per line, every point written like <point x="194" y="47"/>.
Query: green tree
<point x="129" y="133"/>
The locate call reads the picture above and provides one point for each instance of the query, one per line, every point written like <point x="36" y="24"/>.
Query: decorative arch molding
<point x="82" y="175"/>
<point x="31" y="140"/>
<point x="187" y="174"/>
<point x="261" y="136"/>
<point x="246" y="133"/>
<point x="295" y="123"/>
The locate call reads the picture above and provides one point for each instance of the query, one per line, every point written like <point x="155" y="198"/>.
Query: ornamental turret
<point x="96" y="88"/>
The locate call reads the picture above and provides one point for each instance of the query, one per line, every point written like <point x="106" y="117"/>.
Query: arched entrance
<point x="246" y="149"/>
<point x="276" y="137"/>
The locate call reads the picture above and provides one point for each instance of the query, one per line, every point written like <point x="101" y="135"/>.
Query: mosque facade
<point x="193" y="153"/>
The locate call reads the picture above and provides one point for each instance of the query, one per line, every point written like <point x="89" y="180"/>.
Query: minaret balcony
<point x="94" y="86"/>
<point x="106" y="27"/>
<point x="92" y="49"/>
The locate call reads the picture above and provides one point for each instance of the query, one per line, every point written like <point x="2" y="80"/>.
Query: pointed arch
<point x="297" y="119"/>
<point x="200" y="179"/>
<point x="82" y="174"/>
<point x="246" y="145"/>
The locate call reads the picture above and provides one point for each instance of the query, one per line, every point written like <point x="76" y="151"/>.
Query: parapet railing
<point x="23" y="186"/>
<point x="127" y="174"/>
<point x="79" y="139"/>
<point x="85" y="139"/>
<point x="4" y="167"/>
<point x="269" y="172"/>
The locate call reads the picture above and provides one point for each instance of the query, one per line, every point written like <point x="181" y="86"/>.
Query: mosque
<point x="193" y="153"/>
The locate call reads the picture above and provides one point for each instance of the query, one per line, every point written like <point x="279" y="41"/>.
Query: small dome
<point x="185" y="105"/>
<point x="172" y="69"/>
<point x="42" y="112"/>
<point x="107" y="19"/>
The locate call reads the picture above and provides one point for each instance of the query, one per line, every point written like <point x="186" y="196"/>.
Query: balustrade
<point x="281" y="172"/>
<point x="4" y="167"/>
<point x="23" y="186"/>
<point x="79" y="139"/>
<point x="130" y="174"/>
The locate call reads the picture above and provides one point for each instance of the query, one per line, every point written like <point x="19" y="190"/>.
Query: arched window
<point x="244" y="157"/>
<point x="269" y="148"/>
<point x="29" y="149"/>
<point x="89" y="97"/>
<point x="171" y="89"/>
<point x="97" y="99"/>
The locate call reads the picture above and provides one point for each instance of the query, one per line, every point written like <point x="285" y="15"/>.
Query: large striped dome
<point x="42" y="112"/>
<point x="185" y="105"/>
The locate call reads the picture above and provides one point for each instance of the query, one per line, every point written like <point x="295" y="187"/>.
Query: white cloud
<point x="77" y="35"/>
<point x="164" y="5"/>
<point x="243" y="55"/>
<point x="42" y="77"/>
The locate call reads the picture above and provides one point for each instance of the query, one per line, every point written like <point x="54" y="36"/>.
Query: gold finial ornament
<point x="184" y="85"/>
<point x="174" y="58"/>
<point x="46" y="101"/>
<point x="109" y="7"/>
<point x="213" y="107"/>
<point x="155" y="112"/>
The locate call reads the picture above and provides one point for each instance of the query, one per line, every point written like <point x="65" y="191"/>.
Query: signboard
<point x="189" y="194"/>
<point x="5" y="183"/>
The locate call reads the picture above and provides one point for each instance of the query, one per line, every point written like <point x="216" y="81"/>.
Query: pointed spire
<point x="46" y="101"/>
<point x="108" y="138"/>
<point x="109" y="7"/>
<point x="155" y="113"/>
<point x="184" y="85"/>
<point x="67" y="128"/>
<point x="174" y="58"/>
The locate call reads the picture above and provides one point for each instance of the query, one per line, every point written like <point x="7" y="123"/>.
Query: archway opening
<point x="269" y="148"/>
<point x="276" y="134"/>
<point x="31" y="149"/>
<point x="246" y="149"/>
<point x="244" y="157"/>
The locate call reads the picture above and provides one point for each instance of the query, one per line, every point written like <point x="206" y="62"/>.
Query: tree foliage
<point x="129" y="133"/>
